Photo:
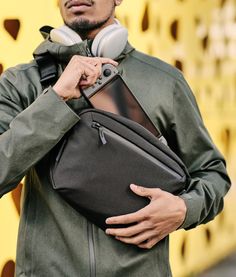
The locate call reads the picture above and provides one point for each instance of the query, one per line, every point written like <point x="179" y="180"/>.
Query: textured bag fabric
<point x="95" y="163"/>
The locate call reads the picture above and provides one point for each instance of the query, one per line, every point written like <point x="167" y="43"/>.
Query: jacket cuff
<point x="193" y="208"/>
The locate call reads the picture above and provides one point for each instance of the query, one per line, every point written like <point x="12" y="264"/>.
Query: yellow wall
<point x="198" y="36"/>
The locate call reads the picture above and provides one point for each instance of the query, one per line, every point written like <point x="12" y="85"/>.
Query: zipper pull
<point x="88" y="51"/>
<point x="100" y="132"/>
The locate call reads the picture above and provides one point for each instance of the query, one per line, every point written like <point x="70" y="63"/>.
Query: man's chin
<point x="84" y="24"/>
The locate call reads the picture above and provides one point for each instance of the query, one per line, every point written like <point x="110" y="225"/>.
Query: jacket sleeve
<point x="27" y="134"/>
<point x="209" y="180"/>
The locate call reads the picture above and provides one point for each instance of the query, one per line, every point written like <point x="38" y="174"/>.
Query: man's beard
<point x="84" y="26"/>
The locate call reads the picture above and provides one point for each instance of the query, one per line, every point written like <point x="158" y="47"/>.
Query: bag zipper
<point x="92" y="263"/>
<point x="100" y="129"/>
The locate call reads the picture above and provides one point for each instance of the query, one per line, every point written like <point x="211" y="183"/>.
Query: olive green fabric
<point x="55" y="240"/>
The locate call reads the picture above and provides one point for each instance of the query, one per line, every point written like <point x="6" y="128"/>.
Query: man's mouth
<point x="77" y="3"/>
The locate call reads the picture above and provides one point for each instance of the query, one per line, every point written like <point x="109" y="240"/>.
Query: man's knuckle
<point x="149" y="245"/>
<point x="76" y="58"/>
<point x="93" y="76"/>
<point x="146" y="217"/>
<point x="144" y="246"/>
<point x="80" y="70"/>
<point x="152" y="220"/>
<point x="98" y="61"/>
<point x="145" y="223"/>
<point x="135" y="241"/>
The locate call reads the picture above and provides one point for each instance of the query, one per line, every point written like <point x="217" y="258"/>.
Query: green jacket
<point x="54" y="239"/>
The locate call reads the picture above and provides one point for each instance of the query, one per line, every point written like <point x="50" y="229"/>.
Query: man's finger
<point x="150" y="243"/>
<point x="101" y="59"/>
<point x="145" y="192"/>
<point x="91" y="73"/>
<point x="127" y="218"/>
<point x="140" y="239"/>
<point x="129" y="231"/>
<point x="110" y="61"/>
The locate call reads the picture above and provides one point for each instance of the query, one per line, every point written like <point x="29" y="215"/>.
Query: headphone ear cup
<point x="65" y="35"/>
<point x="110" y="41"/>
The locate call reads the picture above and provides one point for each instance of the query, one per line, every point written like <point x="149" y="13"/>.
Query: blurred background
<point x="199" y="38"/>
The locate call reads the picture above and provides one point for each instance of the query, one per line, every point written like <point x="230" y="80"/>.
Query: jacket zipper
<point x="92" y="263"/>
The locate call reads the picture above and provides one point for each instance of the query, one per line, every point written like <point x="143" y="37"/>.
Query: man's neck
<point x="88" y="34"/>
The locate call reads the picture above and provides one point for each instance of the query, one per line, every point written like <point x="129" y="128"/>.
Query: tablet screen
<point x="116" y="97"/>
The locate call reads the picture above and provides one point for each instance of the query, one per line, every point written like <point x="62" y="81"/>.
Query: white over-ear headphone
<point x="109" y="42"/>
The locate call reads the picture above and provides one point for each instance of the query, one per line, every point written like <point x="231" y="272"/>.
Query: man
<point x="54" y="239"/>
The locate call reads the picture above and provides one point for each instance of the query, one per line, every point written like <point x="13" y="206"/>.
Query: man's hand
<point x="81" y="72"/>
<point x="163" y="215"/>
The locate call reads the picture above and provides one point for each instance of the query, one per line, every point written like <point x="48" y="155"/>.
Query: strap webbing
<point x="47" y="68"/>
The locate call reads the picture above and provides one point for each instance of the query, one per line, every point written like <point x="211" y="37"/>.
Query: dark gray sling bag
<point x="94" y="165"/>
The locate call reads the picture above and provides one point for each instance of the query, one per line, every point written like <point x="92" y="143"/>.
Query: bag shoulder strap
<point x="48" y="68"/>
